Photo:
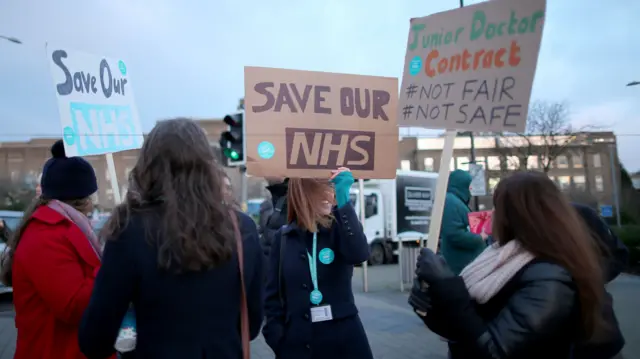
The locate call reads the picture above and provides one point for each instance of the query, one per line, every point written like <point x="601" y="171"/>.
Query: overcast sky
<point x="186" y="58"/>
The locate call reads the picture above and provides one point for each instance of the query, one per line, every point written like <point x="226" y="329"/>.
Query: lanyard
<point x="313" y="263"/>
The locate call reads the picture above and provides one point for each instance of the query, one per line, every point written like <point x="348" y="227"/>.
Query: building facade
<point x="581" y="164"/>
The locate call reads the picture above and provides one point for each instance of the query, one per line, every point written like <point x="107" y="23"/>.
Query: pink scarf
<point x="79" y="220"/>
<point x="493" y="268"/>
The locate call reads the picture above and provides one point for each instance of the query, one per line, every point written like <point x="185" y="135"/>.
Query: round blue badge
<point x="316" y="297"/>
<point x="122" y="67"/>
<point x="69" y="135"/>
<point x="266" y="150"/>
<point x="326" y="256"/>
<point x="415" y="65"/>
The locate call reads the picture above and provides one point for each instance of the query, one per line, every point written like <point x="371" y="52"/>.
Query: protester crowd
<point x="179" y="272"/>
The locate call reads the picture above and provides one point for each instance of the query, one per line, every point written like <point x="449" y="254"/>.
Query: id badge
<point x="321" y="314"/>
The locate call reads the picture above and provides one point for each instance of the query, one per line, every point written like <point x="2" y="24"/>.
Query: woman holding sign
<point x="309" y="301"/>
<point x="535" y="293"/>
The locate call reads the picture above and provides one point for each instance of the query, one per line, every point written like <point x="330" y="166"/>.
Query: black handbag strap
<point x="283" y="244"/>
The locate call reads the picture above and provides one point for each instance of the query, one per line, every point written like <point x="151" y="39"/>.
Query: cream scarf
<point x="493" y="268"/>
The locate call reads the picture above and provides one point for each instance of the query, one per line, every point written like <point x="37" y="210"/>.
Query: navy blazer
<point x="194" y="315"/>
<point x="288" y="330"/>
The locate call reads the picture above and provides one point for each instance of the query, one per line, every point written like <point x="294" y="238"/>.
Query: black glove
<point x="431" y="267"/>
<point x="419" y="299"/>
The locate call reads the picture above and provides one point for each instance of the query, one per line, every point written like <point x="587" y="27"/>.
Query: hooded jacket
<point x="458" y="244"/>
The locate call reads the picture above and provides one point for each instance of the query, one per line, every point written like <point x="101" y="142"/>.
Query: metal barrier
<point x="408" y="264"/>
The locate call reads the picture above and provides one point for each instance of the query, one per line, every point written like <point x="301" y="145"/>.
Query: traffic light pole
<point x="243" y="179"/>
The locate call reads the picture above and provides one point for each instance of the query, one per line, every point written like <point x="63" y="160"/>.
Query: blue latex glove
<point x="343" y="182"/>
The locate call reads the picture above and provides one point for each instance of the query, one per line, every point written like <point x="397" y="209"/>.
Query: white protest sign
<point x="478" y="183"/>
<point x="98" y="114"/>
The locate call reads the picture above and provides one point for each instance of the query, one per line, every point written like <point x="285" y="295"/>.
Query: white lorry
<point x="396" y="210"/>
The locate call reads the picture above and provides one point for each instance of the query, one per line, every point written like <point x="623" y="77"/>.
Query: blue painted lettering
<point x="104" y="128"/>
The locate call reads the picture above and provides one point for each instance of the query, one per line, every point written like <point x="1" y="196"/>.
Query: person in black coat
<point x="273" y="218"/>
<point x="5" y="232"/>
<point x="171" y="254"/>
<point x="615" y="253"/>
<point x="533" y="294"/>
<point x="615" y="260"/>
<point x="314" y="316"/>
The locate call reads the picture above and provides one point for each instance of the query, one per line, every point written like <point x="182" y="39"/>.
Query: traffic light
<point x="232" y="141"/>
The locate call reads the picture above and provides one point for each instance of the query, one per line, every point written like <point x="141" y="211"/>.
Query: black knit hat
<point x="67" y="178"/>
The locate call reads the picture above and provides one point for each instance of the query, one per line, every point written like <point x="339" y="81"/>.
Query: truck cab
<point x="395" y="210"/>
<point x="374" y="224"/>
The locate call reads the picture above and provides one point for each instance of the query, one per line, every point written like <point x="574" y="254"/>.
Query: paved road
<point x="393" y="330"/>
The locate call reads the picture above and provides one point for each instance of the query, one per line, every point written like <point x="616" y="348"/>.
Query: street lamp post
<point x="11" y="39"/>
<point x="472" y="148"/>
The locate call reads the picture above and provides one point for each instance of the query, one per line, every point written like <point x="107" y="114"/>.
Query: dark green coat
<point x="459" y="246"/>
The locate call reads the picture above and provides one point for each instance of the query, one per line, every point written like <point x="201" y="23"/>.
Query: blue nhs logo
<point x="100" y="129"/>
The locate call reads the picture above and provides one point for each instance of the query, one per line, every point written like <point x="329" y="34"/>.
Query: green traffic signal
<point x="232" y="154"/>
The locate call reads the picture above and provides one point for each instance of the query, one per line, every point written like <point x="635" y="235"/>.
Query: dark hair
<point x="303" y="197"/>
<point x="530" y="207"/>
<point x="83" y="205"/>
<point x="176" y="170"/>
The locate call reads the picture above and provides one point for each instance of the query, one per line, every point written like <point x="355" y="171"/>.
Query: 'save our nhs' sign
<point x="95" y="99"/>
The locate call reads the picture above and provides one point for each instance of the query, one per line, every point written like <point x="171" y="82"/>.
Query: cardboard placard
<point x="472" y="68"/>
<point x="305" y="123"/>
<point x="98" y="113"/>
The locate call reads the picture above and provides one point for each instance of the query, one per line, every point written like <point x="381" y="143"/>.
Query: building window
<point x="463" y="163"/>
<point x="599" y="183"/>
<point x="562" y="162"/>
<point x="405" y="165"/>
<point x="576" y="160"/>
<point x="452" y="165"/>
<point x="513" y="163"/>
<point x="493" y="182"/>
<point x="371" y="205"/>
<point x="579" y="183"/>
<point x="482" y="161"/>
<point x="15" y="175"/>
<point x="564" y="182"/>
<point x="429" y="164"/>
<point x="493" y="162"/>
<point x="597" y="161"/>
<point x="533" y="162"/>
<point x="553" y="179"/>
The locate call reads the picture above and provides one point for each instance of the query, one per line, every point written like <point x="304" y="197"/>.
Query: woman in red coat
<point x="53" y="259"/>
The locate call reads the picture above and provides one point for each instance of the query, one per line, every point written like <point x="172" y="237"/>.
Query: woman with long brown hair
<point x="309" y="301"/>
<point x="171" y="253"/>
<point x="52" y="259"/>
<point x="534" y="293"/>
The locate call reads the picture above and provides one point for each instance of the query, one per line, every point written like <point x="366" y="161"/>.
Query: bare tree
<point x="15" y="196"/>
<point x="548" y="134"/>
